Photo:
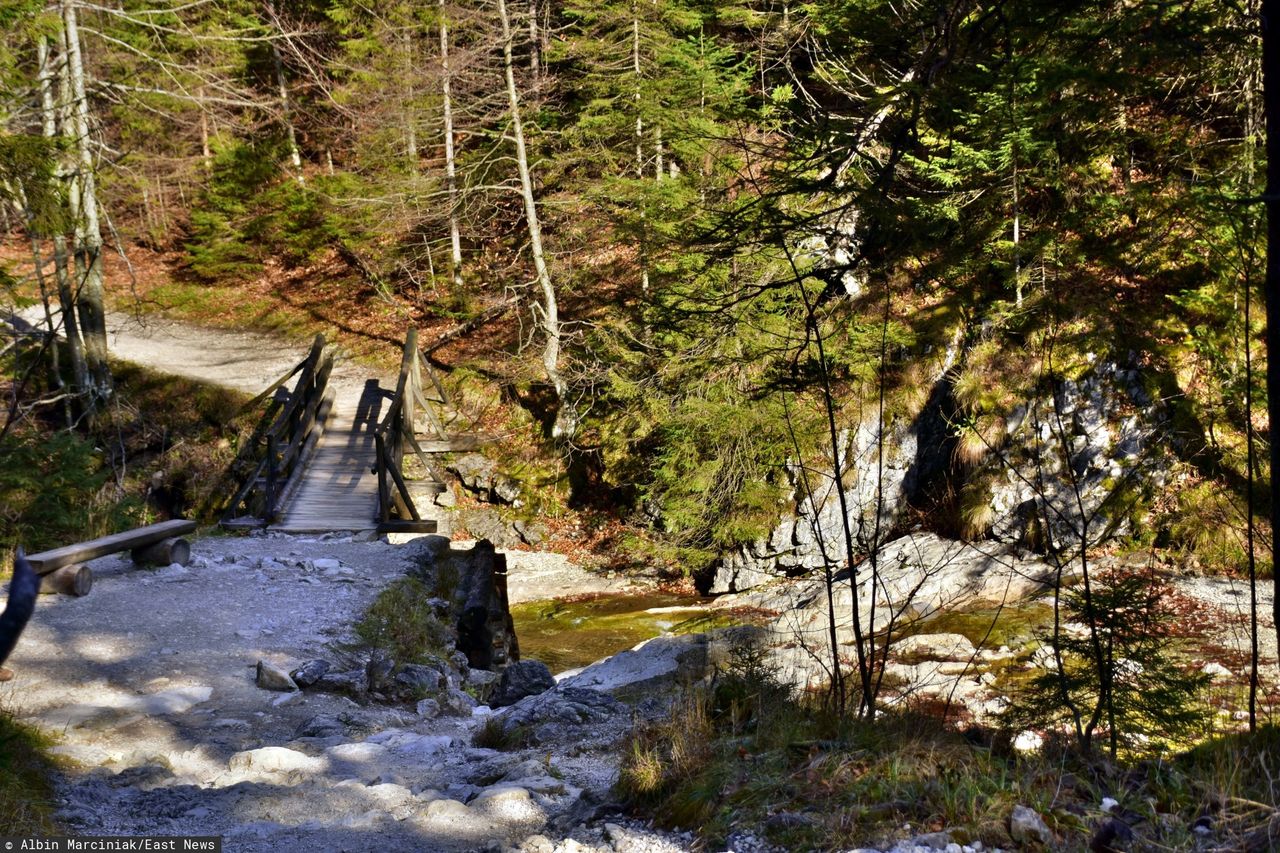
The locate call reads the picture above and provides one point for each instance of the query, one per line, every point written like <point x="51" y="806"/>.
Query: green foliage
<point x="56" y="489"/>
<point x="402" y="623"/>
<point x="1129" y="672"/>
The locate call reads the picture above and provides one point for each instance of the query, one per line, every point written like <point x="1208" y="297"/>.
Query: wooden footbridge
<point x="321" y="461"/>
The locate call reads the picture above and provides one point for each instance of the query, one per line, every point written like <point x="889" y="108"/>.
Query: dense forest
<point x="734" y="237"/>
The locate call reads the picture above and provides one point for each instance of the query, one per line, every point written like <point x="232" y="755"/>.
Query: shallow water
<point x="569" y="634"/>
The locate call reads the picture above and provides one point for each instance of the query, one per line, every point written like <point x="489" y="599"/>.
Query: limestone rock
<point x="321" y="726"/>
<point x="456" y="703"/>
<point x="346" y="683"/>
<point x="521" y="679"/>
<point x="566" y="713"/>
<point x="479" y="475"/>
<point x="658" y="664"/>
<point x="938" y="647"/>
<point x="378" y="671"/>
<point x="274" y="759"/>
<point x="1025" y="826"/>
<point x="271" y="677"/>
<point x="415" y="681"/>
<point x="310" y="672"/>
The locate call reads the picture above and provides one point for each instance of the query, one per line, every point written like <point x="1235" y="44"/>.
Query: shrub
<point x="402" y="623"/>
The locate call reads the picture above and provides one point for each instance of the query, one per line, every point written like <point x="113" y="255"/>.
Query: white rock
<point x="271" y="677"/>
<point x="1217" y="671"/>
<point x="275" y="759"/>
<point x="1026" y="826"/>
<point x="509" y="803"/>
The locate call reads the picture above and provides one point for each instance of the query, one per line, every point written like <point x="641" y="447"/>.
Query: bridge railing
<point x="398" y="429"/>
<point x="270" y="461"/>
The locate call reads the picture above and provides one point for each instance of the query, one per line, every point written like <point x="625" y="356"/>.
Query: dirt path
<point x="244" y="360"/>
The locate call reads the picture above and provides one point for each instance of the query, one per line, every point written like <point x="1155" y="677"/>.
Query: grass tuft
<point x="403" y="624"/>
<point x="26" y="792"/>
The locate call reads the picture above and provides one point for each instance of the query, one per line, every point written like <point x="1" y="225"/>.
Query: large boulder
<point x="521" y="679"/>
<point x="661" y="664"/>
<point x="918" y="575"/>
<point x="566" y="714"/>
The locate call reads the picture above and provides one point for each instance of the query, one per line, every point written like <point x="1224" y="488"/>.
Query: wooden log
<point x="76" y="579"/>
<point x="163" y="553"/>
<point x="81" y="552"/>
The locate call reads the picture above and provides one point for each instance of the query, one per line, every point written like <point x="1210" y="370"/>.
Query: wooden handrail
<point x="276" y="446"/>
<point x="398" y="426"/>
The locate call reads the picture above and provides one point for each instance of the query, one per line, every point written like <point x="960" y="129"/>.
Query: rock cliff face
<point x="1073" y="464"/>
<point x="1076" y="464"/>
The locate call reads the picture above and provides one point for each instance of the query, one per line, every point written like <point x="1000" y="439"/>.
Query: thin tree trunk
<point x="66" y="299"/>
<point x="450" y="167"/>
<point x="206" y="153"/>
<point x="564" y="424"/>
<point x="88" y="248"/>
<point x="535" y="42"/>
<point x="636" y="99"/>
<point x="410" y="119"/>
<point x="286" y="111"/>
<point x="1271" y="104"/>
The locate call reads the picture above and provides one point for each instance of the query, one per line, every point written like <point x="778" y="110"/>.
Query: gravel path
<point x="148" y="685"/>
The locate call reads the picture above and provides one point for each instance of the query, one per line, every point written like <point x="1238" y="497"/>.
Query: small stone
<point x="310" y="672"/>
<point x="1109" y="804"/>
<point x="1026" y="826"/>
<point x="428" y="709"/>
<point x="271" y="677"/>
<point x="933" y="840"/>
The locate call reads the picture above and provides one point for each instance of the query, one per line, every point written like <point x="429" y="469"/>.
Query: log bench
<point x="160" y="543"/>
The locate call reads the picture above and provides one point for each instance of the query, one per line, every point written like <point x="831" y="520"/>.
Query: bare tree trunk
<point x="565" y="419"/>
<point x="535" y="43"/>
<point x="206" y="153"/>
<point x="410" y="119"/>
<point x="286" y="111"/>
<point x="635" y="67"/>
<point x="66" y="299"/>
<point x="88" y="233"/>
<point x="1271" y="105"/>
<point x="450" y="167"/>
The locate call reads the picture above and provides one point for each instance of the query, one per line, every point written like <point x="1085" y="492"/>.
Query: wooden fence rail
<point x="272" y="460"/>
